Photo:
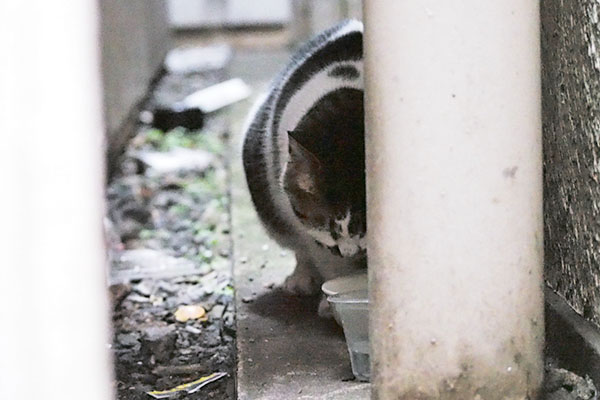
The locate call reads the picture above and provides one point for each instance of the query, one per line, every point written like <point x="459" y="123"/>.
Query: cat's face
<point x="327" y="200"/>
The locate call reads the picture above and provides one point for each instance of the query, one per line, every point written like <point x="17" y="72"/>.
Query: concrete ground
<point x="284" y="350"/>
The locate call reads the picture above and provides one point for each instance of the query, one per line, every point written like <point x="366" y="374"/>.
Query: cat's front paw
<point x="301" y="284"/>
<point x="325" y="310"/>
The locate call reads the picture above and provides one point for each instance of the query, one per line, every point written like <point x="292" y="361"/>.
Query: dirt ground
<point x="170" y="246"/>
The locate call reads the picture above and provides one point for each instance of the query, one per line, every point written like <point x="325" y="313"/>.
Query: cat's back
<point x="330" y="61"/>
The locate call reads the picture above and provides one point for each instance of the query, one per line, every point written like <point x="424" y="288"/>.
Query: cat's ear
<point x="301" y="156"/>
<point x="304" y="167"/>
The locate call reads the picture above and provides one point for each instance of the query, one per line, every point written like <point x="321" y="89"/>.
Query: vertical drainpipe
<point x="455" y="198"/>
<point x="53" y="297"/>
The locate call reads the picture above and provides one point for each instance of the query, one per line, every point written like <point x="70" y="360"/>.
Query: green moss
<point x="211" y="143"/>
<point x="154" y="136"/>
<point x="205" y="256"/>
<point x="146" y="234"/>
<point x="203" y="233"/>
<point x="209" y="184"/>
<point x="227" y="290"/>
<point x="177" y="138"/>
<point x="179" y="209"/>
<point x="181" y="137"/>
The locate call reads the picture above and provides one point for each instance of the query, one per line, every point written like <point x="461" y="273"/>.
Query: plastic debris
<point x="147" y="263"/>
<point x="175" y="115"/>
<point x="178" y="159"/>
<point x="189" y="112"/>
<point x="190" y="387"/>
<point x="217" y="96"/>
<point x="186" y="60"/>
<point x="194" y="311"/>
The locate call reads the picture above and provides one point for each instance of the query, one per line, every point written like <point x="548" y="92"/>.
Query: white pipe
<point x="454" y="198"/>
<point x="53" y="311"/>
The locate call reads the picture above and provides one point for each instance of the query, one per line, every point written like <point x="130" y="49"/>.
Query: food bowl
<point x="352" y="309"/>
<point x="344" y="284"/>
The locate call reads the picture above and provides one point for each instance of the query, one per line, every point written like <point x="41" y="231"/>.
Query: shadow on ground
<point x="294" y="310"/>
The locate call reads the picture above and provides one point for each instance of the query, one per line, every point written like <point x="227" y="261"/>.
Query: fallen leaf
<point x="194" y="311"/>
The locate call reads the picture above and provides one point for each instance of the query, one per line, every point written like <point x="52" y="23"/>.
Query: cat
<point x="303" y="156"/>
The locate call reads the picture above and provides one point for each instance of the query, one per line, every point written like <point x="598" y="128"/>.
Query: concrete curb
<point x="571" y="339"/>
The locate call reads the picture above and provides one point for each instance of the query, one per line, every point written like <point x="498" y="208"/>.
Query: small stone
<point x="143" y="263"/>
<point x="136" y="212"/>
<point x="192" y="329"/>
<point x="158" y="342"/>
<point x="156" y="300"/>
<point x="243" y="260"/>
<point x="212" y="336"/>
<point x="136" y="298"/>
<point x="560" y="384"/>
<point x="247" y="299"/>
<point x="129" y="229"/>
<point x="128" y="339"/>
<point x="168" y="287"/>
<point x="118" y="292"/>
<point x="146" y="117"/>
<point x="228" y="318"/>
<point x="217" y="311"/>
<point x="143" y="288"/>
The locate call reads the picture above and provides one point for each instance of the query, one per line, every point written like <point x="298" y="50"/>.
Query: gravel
<point x="169" y="244"/>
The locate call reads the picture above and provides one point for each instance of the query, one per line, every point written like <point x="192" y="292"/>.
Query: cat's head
<point x="327" y="195"/>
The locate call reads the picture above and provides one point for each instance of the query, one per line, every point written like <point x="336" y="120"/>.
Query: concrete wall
<point x="328" y="12"/>
<point x="135" y="39"/>
<point x="185" y="14"/>
<point x="571" y="115"/>
<point x="313" y="16"/>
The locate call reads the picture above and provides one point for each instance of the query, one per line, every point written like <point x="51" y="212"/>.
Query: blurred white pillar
<point x="53" y="308"/>
<point x="455" y="198"/>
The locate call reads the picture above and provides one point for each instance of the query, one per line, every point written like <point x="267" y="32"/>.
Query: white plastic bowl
<point x="344" y="284"/>
<point x="353" y="311"/>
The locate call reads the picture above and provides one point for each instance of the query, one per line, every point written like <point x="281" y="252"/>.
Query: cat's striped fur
<point x="304" y="158"/>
